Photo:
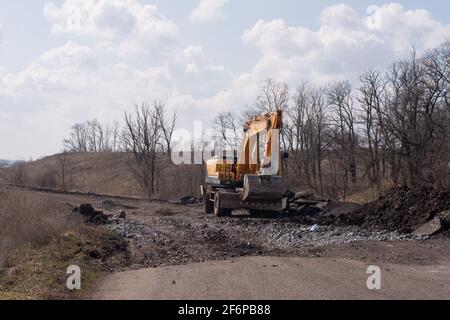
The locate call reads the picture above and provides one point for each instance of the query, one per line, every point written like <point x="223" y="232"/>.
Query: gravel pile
<point x="195" y="237"/>
<point x="328" y="235"/>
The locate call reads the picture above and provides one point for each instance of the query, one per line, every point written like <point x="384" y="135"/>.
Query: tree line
<point x="391" y="127"/>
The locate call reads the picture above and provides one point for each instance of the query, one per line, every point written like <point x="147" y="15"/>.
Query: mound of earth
<point x="403" y="209"/>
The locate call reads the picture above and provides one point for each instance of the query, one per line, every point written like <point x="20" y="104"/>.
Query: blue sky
<point x="199" y="56"/>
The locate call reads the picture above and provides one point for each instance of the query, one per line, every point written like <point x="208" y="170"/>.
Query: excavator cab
<point x="251" y="178"/>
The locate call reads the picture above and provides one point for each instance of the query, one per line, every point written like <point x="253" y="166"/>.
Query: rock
<point x="314" y="228"/>
<point x="188" y="200"/>
<point x="428" y="229"/>
<point x="98" y="218"/>
<point x="445" y="219"/>
<point x="289" y="194"/>
<point x="306" y="194"/>
<point x="122" y="215"/>
<point x="70" y="235"/>
<point x="114" y="220"/>
<point x="301" y="210"/>
<point x="94" y="253"/>
<point x="90" y="215"/>
<point x="86" y="210"/>
<point x="322" y="205"/>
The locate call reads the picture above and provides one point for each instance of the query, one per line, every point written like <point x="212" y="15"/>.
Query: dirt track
<point x="169" y="242"/>
<point x="277" y="278"/>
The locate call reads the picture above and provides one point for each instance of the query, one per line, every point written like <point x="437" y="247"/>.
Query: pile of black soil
<point x="403" y="209"/>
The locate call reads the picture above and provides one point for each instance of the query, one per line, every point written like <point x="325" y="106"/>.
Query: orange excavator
<point x="251" y="177"/>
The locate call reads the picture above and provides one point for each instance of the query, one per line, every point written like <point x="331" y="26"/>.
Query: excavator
<point x="251" y="178"/>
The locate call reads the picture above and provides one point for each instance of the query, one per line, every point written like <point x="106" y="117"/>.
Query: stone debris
<point x="404" y="209"/>
<point x="181" y="235"/>
<point x="306" y="194"/>
<point x="186" y="201"/>
<point x="90" y="215"/>
<point x="445" y="219"/>
<point x="430" y="228"/>
<point x="194" y="237"/>
<point x="122" y="215"/>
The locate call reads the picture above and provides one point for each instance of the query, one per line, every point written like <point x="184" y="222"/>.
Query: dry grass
<point x="39" y="239"/>
<point x="41" y="272"/>
<point x="365" y="194"/>
<point x="28" y="221"/>
<point x="105" y="173"/>
<point x="109" y="173"/>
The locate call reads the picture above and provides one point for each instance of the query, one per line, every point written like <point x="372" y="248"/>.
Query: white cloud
<point x="79" y="81"/>
<point x="208" y="10"/>
<point x="77" y="72"/>
<point x="74" y="82"/>
<point x="69" y="84"/>
<point x="345" y="44"/>
<point x="133" y="27"/>
<point x="197" y="74"/>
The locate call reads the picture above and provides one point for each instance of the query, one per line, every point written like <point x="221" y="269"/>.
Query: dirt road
<point x="177" y="252"/>
<point x="277" y="278"/>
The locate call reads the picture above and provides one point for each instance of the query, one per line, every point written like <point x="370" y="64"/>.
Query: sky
<point x="67" y="61"/>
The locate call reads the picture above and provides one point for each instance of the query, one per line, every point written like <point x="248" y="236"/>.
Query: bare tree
<point x="304" y="132"/>
<point x="63" y="161"/>
<point x="77" y="140"/>
<point x="19" y="173"/>
<point x="344" y="120"/>
<point x="115" y="136"/>
<point x="317" y="126"/>
<point x="92" y="136"/>
<point x="295" y="128"/>
<point x="142" y="136"/>
<point x="417" y="115"/>
<point x="274" y="96"/>
<point x="372" y="102"/>
<point x="229" y="130"/>
<point x="167" y="126"/>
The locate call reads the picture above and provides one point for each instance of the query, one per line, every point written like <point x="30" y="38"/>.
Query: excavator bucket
<point x="262" y="189"/>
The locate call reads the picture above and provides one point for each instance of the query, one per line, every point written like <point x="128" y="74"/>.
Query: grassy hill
<point x="87" y="172"/>
<point x="105" y="173"/>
